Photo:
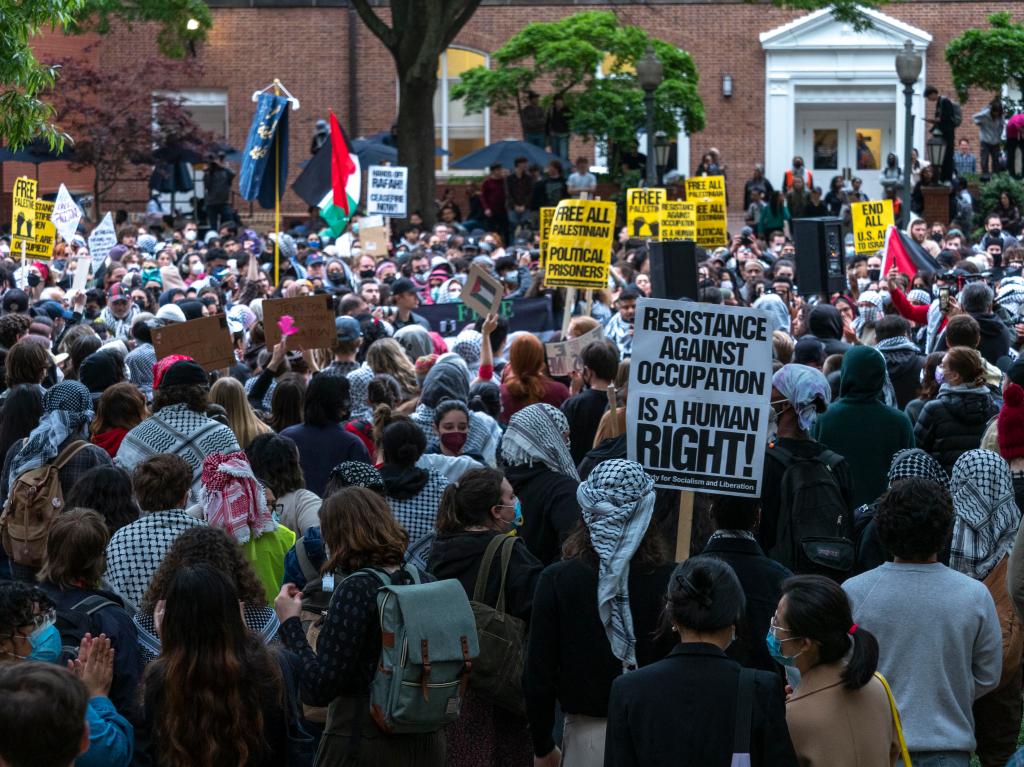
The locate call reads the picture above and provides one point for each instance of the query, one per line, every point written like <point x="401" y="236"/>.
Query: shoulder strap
<point x="507" y="545"/>
<point x="305" y="564"/>
<point x="68" y="453"/>
<point x="91" y="604"/>
<point x="780" y="453"/>
<point x="480" y="589"/>
<point x="830" y="459"/>
<point x="744" y="711"/>
<point x="895" y="718"/>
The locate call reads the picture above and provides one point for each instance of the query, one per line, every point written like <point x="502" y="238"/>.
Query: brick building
<point x="774" y="83"/>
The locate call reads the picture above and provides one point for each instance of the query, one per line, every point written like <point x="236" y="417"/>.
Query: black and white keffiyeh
<point x="914" y="462"/>
<point x="357" y="474"/>
<point x="897" y="343"/>
<point x="986" y="513"/>
<point x="537" y="433"/>
<point x="616" y="501"/>
<point x="67" y="410"/>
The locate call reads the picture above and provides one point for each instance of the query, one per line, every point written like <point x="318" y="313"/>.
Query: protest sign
<point x="533" y="315"/>
<point x="312" y="316"/>
<point x="871" y="220"/>
<point x="564" y="356"/>
<point x="678" y="220"/>
<point x="708" y="195"/>
<point x="374" y="241"/>
<point x="482" y="291"/>
<point x="547" y="215"/>
<point x="101" y="240"/>
<point x="207" y="340"/>
<point x="81" y="276"/>
<point x="23" y="212"/>
<point x="44" y="233"/>
<point x="700" y="381"/>
<point x="66" y="214"/>
<point x="580" y="244"/>
<point x="386" y="190"/>
<point x="643" y="212"/>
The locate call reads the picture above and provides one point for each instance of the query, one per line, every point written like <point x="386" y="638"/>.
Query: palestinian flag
<point x="902" y="252"/>
<point x="479" y="289"/>
<point x="331" y="181"/>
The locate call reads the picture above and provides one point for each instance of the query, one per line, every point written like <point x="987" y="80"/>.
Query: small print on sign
<point x="643" y="212"/>
<point x="580" y="244"/>
<point x="386" y="190"/>
<point x="44" y="233"/>
<point x="871" y="220"/>
<point x="66" y="214"/>
<point x="312" y="320"/>
<point x="707" y="193"/>
<point x="23" y="212"/>
<point x="678" y="221"/>
<point x="564" y="357"/>
<point x="547" y="215"/>
<point x="101" y="240"/>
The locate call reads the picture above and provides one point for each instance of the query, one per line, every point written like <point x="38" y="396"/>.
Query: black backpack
<point x="76" y="621"/>
<point x="815" y="527"/>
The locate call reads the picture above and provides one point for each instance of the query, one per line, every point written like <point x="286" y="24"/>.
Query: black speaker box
<point x="820" y="255"/>
<point x="673" y="269"/>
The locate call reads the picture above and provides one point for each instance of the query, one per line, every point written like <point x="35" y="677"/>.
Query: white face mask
<point x="197" y="268"/>
<point x="190" y="234"/>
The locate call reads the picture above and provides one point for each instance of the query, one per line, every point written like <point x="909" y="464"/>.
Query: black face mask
<point x="91" y="314"/>
<point x="367" y="274"/>
<point x="389" y="279"/>
<point x="334" y="276"/>
<point x="141" y="304"/>
<point x="874" y="274"/>
<point x="33" y="280"/>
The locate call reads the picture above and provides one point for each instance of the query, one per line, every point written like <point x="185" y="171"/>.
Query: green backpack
<point x="428" y="645"/>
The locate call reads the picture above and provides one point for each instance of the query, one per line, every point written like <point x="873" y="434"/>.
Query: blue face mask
<point x="775" y="649"/>
<point x="45" y="645"/>
<point x="517" y="522"/>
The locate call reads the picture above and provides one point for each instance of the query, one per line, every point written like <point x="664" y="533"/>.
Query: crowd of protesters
<point x="205" y="589"/>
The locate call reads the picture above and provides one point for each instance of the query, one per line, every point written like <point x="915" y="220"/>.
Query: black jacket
<point x="953" y="423"/>
<point x="459" y="556"/>
<point x="826" y="323"/>
<point x="583" y="411"/>
<point x="681" y="712"/>
<point x="996" y="338"/>
<point x="904" y="367"/>
<point x="550" y="509"/>
<point x="761" y="579"/>
<point x="568" y="657"/>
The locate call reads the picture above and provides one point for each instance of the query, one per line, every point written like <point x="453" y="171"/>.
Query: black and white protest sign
<point x="101" y="241"/>
<point x="699" y="387"/>
<point x="385" y="190"/>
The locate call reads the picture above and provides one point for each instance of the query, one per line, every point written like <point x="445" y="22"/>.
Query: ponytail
<point x="468" y="502"/>
<point x="863" y="662"/>
<point x="447" y="512"/>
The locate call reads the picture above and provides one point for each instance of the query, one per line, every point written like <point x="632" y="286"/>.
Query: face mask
<point x="389" y="279"/>
<point x="190" y="235"/>
<point x="862" y="283"/>
<point x="935" y="291"/>
<point x="367" y="274"/>
<point x="33" y="280"/>
<point x="91" y="314"/>
<point x="798" y="165"/>
<point x="141" y="304"/>
<point x="453" y="441"/>
<point x="874" y="274"/>
<point x="517" y="521"/>
<point x="726" y="285"/>
<point x="196" y="268"/>
<point x="997" y="232"/>
<point x="512" y="278"/>
<point x="435" y="294"/>
<point x="422" y="276"/>
<point x="773" y="422"/>
<point x="940" y="377"/>
<point x="775" y="650"/>
<point x="45" y="645"/>
<point x="334" y="276"/>
<point x="355" y="228"/>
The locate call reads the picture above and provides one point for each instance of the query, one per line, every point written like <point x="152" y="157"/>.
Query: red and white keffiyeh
<point x="232" y="499"/>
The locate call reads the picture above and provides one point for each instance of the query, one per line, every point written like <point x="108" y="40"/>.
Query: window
<point x="454" y="130"/>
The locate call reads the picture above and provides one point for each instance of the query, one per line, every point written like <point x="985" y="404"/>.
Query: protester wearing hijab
<point x="826" y="323"/>
<point x="777" y="311"/>
<point x="535" y="450"/>
<point x="859" y="411"/>
<point x="415" y="340"/>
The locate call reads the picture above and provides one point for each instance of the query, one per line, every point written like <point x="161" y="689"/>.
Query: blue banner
<point x="268" y="137"/>
<point x="532" y="314"/>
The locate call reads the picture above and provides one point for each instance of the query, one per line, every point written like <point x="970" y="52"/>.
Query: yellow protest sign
<point x="707" y="193"/>
<point x="546" y="216"/>
<point x="44" y="233"/>
<point x="23" y="212"/>
<point x="871" y="220"/>
<point x="580" y="244"/>
<point x="678" y="220"/>
<point x="643" y="212"/>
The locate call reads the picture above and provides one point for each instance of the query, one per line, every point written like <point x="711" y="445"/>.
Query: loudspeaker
<point x="673" y="269"/>
<point x="820" y="255"/>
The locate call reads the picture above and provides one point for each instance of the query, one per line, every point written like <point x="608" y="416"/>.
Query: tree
<point x="567" y="55"/>
<point x="116" y="121"/>
<point x="420" y="32"/>
<point x="24" y="115"/>
<point x="988" y="59"/>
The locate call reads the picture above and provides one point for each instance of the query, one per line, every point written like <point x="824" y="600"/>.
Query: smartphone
<point x="944" y="300"/>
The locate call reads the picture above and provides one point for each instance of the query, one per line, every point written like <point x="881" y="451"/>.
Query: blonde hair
<point x="230" y="395"/>
<point x="386" y="355"/>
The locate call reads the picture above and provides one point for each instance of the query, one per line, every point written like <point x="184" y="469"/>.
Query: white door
<point x="847" y="143"/>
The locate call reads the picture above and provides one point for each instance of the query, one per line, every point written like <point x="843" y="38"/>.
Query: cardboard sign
<point x="386" y="187"/>
<point x="101" y="240"/>
<point x="66" y="214"/>
<point x="580" y="244"/>
<point x="44" y="233"/>
<point x="547" y="215"/>
<point x="374" y="241"/>
<point x="207" y="340"/>
<point x="678" y="221"/>
<point x="564" y="356"/>
<point x="482" y="291"/>
<point x="700" y="381"/>
<point x="643" y="212"/>
<point x="23" y="212"/>
<point x="313" y="316"/>
<point x="708" y="195"/>
<point x="871" y="220"/>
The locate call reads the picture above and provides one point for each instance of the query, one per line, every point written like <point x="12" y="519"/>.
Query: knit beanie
<point x="1010" y="426"/>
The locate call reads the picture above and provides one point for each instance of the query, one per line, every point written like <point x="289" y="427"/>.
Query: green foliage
<point x="989" y="192"/>
<point x="987" y="59"/>
<point x="24" y="116"/>
<point x="849" y="11"/>
<point x="565" y="55"/>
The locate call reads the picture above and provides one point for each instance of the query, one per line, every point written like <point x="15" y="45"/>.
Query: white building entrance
<point x="832" y="96"/>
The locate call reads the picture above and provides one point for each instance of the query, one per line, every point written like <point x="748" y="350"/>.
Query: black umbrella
<point x="37" y="152"/>
<point x="504" y="152"/>
<point x="175" y="153"/>
<point x="372" y="153"/>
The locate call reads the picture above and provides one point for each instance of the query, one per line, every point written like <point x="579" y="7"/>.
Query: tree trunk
<point x="416" y="140"/>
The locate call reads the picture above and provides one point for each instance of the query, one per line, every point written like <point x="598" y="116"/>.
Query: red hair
<point x="525" y="374"/>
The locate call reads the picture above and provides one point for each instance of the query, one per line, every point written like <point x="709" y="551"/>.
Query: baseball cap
<point x="347" y="328"/>
<point x="117" y="293"/>
<point x="402" y="285"/>
<point x="314" y="260"/>
<point x="53" y="310"/>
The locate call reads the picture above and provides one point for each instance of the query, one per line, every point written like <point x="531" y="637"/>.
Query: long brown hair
<point x="652" y="551"/>
<point x="967" y="364"/>
<point x="359" y="530"/>
<point x="524" y="376"/>
<point x="213" y="679"/>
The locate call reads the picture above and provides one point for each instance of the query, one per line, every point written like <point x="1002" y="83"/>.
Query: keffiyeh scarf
<point x="358" y="474"/>
<point x="986" y="513"/>
<point x="616" y="502"/>
<point x="914" y="462"/>
<point x="536" y="434"/>
<point x="67" y="410"/>
<point x="232" y="499"/>
<point x="803" y="386"/>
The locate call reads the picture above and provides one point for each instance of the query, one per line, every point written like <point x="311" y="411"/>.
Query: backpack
<point x="957" y="113"/>
<point x="34" y="501"/>
<point x="315" y="601"/>
<point x="428" y="645"/>
<point x="1009" y="621"/>
<point x="814" y="526"/>
<point x="76" y="621"/>
<point x="498" y="672"/>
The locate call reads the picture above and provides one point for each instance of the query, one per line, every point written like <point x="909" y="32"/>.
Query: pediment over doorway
<point x="820" y="30"/>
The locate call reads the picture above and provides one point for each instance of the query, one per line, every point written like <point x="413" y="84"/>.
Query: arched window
<point x="455" y="130"/>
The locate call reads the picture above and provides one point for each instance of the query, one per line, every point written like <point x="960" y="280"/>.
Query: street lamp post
<point x="649" y="74"/>
<point x="908" y="69"/>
